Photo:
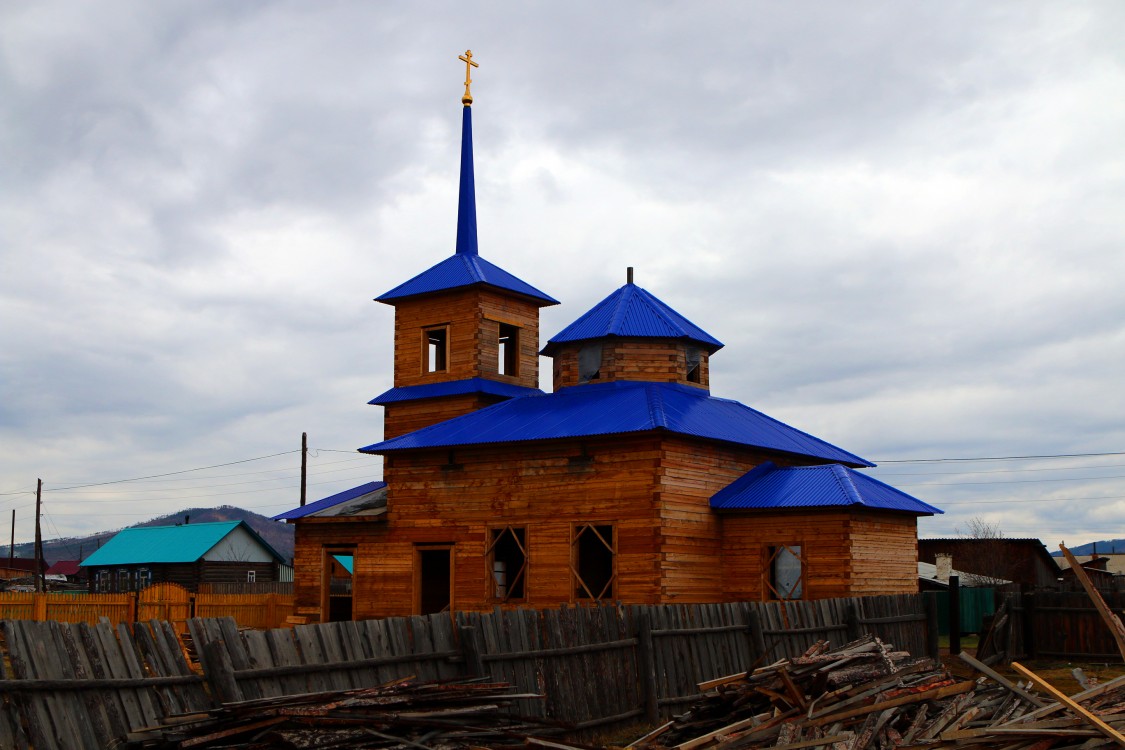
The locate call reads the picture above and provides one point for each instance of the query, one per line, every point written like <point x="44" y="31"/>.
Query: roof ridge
<point x="847" y="485"/>
<point x="656" y="406"/>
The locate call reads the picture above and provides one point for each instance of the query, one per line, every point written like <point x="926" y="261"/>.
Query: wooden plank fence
<point x="84" y="685"/>
<point x="162" y="601"/>
<point x="1056" y="624"/>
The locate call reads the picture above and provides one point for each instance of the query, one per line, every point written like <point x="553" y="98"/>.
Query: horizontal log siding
<point x="691" y="471"/>
<point x="884" y="553"/>
<point x="472" y="316"/>
<point x="846" y="553"/>
<point x="652" y="360"/>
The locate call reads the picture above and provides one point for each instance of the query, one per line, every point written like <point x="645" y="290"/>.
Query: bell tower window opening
<point x="694" y="365"/>
<point x="507" y="563"/>
<point x="435" y="349"/>
<point x="589" y="362"/>
<point x="592" y="562"/>
<point x="508" y="356"/>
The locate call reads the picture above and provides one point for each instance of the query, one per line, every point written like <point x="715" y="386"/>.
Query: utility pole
<point x="304" y="463"/>
<point x="38" y="538"/>
<point x="12" y="544"/>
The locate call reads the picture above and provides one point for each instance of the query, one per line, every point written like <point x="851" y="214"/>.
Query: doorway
<point x="433" y="569"/>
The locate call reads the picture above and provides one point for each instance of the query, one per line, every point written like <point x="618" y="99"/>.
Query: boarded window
<point x="436" y="348"/>
<point x="508" y="357"/>
<point x="507" y="562"/>
<point x="592" y="562"/>
<point x="589" y="362"/>
<point x="786" y="572"/>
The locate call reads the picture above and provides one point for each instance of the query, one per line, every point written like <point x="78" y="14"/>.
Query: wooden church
<point x="629" y="482"/>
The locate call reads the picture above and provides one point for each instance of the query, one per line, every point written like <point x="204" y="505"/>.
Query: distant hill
<point x="1104" y="547"/>
<point x="277" y="535"/>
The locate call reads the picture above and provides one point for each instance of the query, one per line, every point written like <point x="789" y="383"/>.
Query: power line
<point x="173" y="473"/>
<point x="1001" y="458"/>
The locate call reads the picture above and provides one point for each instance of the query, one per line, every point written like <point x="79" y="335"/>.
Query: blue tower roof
<point x="466" y="267"/>
<point x="634" y="312"/>
<point x="618" y="407"/>
<point x="830" y="485"/>
<point x="452" y="388"/>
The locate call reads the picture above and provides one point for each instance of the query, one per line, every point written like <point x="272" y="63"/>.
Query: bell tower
<point x="466" y="331"/>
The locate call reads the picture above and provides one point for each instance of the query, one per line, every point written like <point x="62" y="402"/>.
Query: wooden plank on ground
<point x="1074" y="706"/>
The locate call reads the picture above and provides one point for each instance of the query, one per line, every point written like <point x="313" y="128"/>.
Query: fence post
<point x="954" y="615"/>
<point x="851" y="619"/>
<point x="929" y="606"/>
<point x="646" y="666"/>
<point x="757" y="639"/>
<point x="470" y="651"/>
<point x="39" y="611"/>
<point x="1027" y="605"/>
<point x="131" y="608"/>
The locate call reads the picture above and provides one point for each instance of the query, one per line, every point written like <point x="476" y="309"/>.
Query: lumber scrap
<point x="1072" y="704"/>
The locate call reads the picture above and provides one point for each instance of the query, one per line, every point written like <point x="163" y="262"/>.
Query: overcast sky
<point x="904" y="220"/>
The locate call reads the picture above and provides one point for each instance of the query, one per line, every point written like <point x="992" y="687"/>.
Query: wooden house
<point x="629" y="482"/>
<point x="1025" y="562"/>
<point x="189" y="554"/>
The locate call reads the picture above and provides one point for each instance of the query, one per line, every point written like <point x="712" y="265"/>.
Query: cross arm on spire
<point x="467" y="58"/>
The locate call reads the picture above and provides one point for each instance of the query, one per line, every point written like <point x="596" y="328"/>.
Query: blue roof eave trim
<point x="453" y="388"/>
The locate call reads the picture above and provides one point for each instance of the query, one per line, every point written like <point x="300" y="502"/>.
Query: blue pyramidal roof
<point x="634" y="312"/>
<point x="830" y="485"/>
<point x="618" y="407"/>
<point x="466" y="267"/>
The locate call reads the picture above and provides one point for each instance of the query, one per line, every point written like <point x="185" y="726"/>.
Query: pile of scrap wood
<point x="866" y="695"/>
<point x="454" y="714"/>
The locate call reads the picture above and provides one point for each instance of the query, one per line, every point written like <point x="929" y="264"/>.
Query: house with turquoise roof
<point x="186" y="554"/>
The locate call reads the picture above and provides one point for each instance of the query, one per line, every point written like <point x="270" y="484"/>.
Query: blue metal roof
<point x="453" y="388"/>
<point x="167" y="544"/>
<point x="829" y="485"/>
<point x="619" y="407"/>
<point x="632" y="311"/>
<point x="463" y="270"/>
<point x="331" y="500"/>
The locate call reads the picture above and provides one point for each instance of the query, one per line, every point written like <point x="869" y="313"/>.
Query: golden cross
<point x="467" y="58"/>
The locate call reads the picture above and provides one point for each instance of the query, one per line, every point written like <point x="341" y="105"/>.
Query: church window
<point x="589" y="362"/>
<point x="592" y="562"/>
<point x="435" y="343"/>
<point x="694" y="365"/>
<point x="508" y="356"/>
<point x="507" y="562"/>
<point x="786" y="572"/>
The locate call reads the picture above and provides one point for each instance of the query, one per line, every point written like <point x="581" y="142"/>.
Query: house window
<point x="786" y="572"/>
<point x="592" y="562"/>
<point x="508" y="356"/>
<point x="102" y="582"/>
<point x="144" y="578"/>
<point x="251" y="576"/>
<point x="507" y="562"/>
<point x="122" y="580"/>
<point x="435" y="349"/>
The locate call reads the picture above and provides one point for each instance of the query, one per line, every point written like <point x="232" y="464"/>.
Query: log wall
<point x="652" y="360"/>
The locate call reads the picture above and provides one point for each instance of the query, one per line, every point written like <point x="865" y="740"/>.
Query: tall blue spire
<point x="467" y="200"/>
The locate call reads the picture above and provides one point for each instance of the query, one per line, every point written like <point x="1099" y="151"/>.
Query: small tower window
<point x="589" y="362"/>
<point x="508" y="357"/>
<point x="694" y="365"/>
<point x="436" y="349"/>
